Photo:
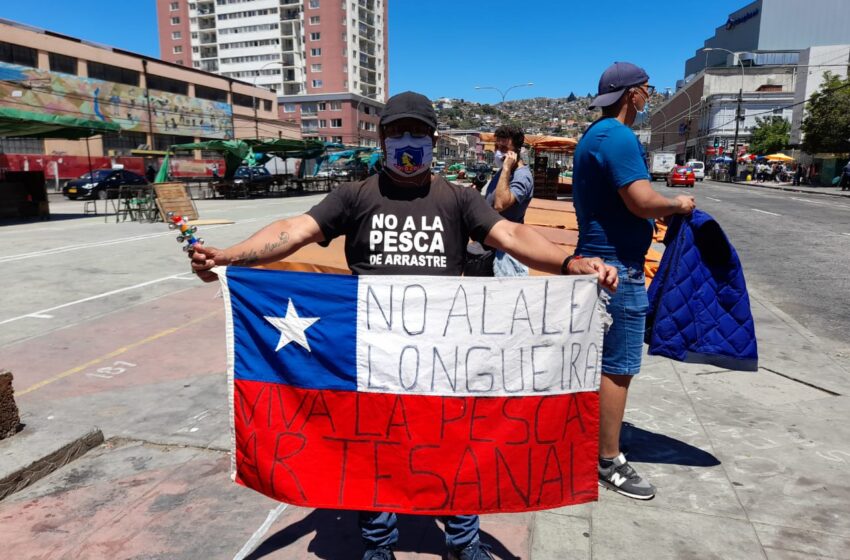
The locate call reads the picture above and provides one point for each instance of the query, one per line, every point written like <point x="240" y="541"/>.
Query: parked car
<point x="101" y="184"/>
<point x="698" y="167"/>
<point x="681" y="175"/>
<point x="247" y="181"/>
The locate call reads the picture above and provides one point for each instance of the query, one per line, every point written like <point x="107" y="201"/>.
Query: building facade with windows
<point x="308" y="52"/>
<point x="144" y="104"/>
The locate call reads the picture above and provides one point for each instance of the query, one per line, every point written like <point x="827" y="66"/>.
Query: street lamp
<point x="737" y="56"/>
<point x="688" y="122"/>
<point x="505" y="93"/>
<point x="257" y="75"/>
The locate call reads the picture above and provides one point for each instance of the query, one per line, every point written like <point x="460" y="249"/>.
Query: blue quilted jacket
<point x="699" y="309"/>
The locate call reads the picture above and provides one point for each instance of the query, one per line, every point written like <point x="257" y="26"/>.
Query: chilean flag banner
<point x="426" y="395"/>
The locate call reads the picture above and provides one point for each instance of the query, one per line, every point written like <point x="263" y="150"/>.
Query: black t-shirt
<point x="391" y="229"/>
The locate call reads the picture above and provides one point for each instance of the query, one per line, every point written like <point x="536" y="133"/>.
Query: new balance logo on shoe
<point x="618" y="480"/>
<point x="618" y="475"/>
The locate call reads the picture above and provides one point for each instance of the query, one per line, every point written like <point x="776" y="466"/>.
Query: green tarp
<point x="235" y="151"/>
<point x="28" y="124"/>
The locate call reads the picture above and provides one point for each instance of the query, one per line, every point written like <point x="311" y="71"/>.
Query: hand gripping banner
<point x="427" y="395"/>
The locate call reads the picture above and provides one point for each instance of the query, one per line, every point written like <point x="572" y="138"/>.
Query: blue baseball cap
<point x="616" y="79"/>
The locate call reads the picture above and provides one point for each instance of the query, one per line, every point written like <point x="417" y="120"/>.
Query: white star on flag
<point x="292" y="327"/>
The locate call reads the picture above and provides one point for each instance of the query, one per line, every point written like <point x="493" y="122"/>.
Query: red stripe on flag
<point x="416" y="454"/>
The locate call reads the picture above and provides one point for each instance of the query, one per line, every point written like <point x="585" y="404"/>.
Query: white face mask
<point x="409" y="155"/>
<point x="499" y="158"/>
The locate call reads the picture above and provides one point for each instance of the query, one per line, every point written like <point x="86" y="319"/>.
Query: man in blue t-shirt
<point x="510" y="191"/>
<point x="615" y="206"/>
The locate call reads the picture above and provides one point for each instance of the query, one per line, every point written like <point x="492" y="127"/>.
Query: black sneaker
<point x="379" y="553"/>
<point x="620" y="477"/>
<point x="476" y="550"/>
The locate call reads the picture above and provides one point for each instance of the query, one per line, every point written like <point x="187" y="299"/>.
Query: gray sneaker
<point x="621" y="477"/>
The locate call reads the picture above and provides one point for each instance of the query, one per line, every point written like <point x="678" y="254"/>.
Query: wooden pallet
<point x="174" y="197"/>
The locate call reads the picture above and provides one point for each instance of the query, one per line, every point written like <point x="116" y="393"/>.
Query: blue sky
<point x="446" y="48"/>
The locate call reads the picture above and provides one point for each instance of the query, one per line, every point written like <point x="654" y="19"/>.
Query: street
<point x="104" y="328"/>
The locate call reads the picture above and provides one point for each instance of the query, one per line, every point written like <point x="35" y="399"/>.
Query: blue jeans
<point x="623" y="346"/>
<point x="379" y="529"/>
<point x="505" y="265"/>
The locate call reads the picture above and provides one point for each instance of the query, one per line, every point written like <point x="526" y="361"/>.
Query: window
<point x="315" y="36"/>
<point x="314" y="4"/>
<point x="194" y="34"/>
<point x="167" y="84"/>
<point x="243" y="100"/>
<point x="179" y="62"/>
<point x="121" y="143"/>
<point x="62" y="63"/>
<point x="315" y="68"/>
<point x="316" y="52"/>
<point x="175" y="21"/>
<point x="323" y="106"/>
<point x="177" y="49"/>
<point x="336" y="106"/>
<point x="110" y="73"/>
<point x="175" y="6"/>
<point x="323" y="123"/>
<point x="267" y="105"/>
<point x="308" y="109"/>
<point x="336" y="123"/>
<point x="314" y="20"/>
<point x="212" y="94"/>
<point x="317" y="83"/>
<point x="176" y="35"/>
<point x="164" y="142"/>
<point x="16" y="54"/>
<point x="289" y="107"/>
<point x="21" y="145"/>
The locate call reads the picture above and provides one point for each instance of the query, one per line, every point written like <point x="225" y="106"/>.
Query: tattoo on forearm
<point x="249" y="258"/>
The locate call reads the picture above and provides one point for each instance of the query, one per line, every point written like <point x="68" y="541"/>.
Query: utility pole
<point x="735" y="142"/>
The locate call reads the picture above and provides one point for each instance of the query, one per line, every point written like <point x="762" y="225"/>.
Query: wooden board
<point x="174" y="197"/>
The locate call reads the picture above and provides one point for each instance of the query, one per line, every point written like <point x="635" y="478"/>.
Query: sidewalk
<point x="748" y="465"/>
<point x="828" y="191"/>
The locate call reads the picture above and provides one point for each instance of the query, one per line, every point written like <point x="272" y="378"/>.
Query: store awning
<point x="538" y="142"/>
<point x="27" y="124"/>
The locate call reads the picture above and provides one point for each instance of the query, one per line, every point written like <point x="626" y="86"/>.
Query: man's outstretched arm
<point x="532" y="249"/>
<point x="274" y="242"/>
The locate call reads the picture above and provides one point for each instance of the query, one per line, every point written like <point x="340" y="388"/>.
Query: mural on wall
<point x="30" y="90"/>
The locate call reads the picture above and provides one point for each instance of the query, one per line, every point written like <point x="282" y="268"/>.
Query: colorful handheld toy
<point x="187" y="232"/>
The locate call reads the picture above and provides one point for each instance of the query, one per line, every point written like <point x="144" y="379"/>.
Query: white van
<point x="699" y="169"/>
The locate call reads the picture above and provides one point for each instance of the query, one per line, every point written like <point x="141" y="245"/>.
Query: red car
<point x="681" y="175"/>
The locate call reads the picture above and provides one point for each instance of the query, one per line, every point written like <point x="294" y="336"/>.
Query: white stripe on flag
<point x="479" y="336"/>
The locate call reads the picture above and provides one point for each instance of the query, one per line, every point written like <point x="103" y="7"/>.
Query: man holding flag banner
<point x="395" y="390"/>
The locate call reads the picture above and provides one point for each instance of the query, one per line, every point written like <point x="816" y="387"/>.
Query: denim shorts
<point x="623" y="346"/>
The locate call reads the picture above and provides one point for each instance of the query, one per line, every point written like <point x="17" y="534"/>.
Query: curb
<point x="788" y="189"/>
<point x="33" y="469"/>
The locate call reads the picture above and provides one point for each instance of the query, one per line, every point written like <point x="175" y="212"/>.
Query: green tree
<point x="827" y="123"/>
<point x="770" y="135"/>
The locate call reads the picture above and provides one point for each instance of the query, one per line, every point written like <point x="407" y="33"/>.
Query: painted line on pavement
<point x="113" y="354"/>
<point x="765" y="212"/>
<point x="44" y="313"/>
<point x="714" y="199"/>
<point x="819" y="202"/>
<point x="94" y="244"/>
<point x="847" y="234"/>
<point x="249" y="546"/>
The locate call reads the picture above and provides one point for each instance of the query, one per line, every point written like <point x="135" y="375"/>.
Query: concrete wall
<point x="814" y="62"/>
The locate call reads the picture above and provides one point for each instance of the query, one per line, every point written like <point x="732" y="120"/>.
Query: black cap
<point x="409" y="105"/>
<point x="616" y="79"/>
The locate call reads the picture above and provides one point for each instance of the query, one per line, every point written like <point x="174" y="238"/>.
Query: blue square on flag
<point x="294" y="329"/>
